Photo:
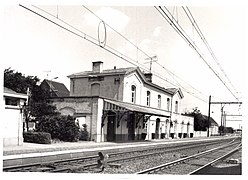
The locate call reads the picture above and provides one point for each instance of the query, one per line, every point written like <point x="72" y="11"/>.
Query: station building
<point x="124" y="104"/>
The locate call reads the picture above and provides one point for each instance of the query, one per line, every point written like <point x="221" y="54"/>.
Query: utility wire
<point x="118" y="32"/>
<point x="202" y="55"/>
<point x="94" y="41"/>
<point x="170" y="73"/>
<point x="174" y="75"/>
<point x="191" y="43"/>
<point x="198" y="30"/>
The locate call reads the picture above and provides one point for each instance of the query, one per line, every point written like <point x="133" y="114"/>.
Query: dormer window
<point x="133" y="93"/>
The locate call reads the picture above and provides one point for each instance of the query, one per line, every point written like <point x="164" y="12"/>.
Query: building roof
<point x="175" y="90"/>
<point x="137" y="108"/>
<point x="11" y="93"/>
<point x="59" y="89"/>
<point x="7" y="90"/>
<point x="212" y="121"/>
<point x="104" y="72"/>
<point x="125" y="71"/>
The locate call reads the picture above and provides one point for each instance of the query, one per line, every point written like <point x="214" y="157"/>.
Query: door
<point x="131" y="127"/>
<point x="157" y="128"/>
<point x="111" y="127"/>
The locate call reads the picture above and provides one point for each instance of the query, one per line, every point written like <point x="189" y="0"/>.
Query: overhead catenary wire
<point x="202" y="57"/>
<point x="174" y="75"/>
<point x="181" y="32"/>
<point x="95" y="42"/>
<point x="170" y="73"/>
<point x="117" y="32"/>
<point x="199" y="32"/>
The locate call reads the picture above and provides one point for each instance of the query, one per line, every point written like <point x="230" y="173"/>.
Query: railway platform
<point x="30" y="152"/>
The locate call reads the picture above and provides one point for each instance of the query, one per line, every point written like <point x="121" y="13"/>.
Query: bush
<point x="143" y="136"/>
<point x="84" y="134"/>
<point x="60" y="127"/>
<point x="37" y="137"/>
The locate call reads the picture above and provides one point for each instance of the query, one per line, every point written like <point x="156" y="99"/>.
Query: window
<point x="159" y="101"/>
<point x="148" y="96"/>
<point x="168" y="104"/>
<point x="95" y="78"/>
<point x="133" y="94"/>
<point x="81" y="121"/>
<point x="176" y="107"/>
<point x="11" y="101"/>
<point x="95" y="89"/>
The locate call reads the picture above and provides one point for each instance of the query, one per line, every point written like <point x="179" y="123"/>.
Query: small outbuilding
<point x="12" y="121"/>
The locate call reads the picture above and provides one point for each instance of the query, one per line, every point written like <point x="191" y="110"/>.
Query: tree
<point x="224" y="130"/>
<point x="61" y="127"/>
<point x="38" y="104"/>
<point x="18" y="82"/>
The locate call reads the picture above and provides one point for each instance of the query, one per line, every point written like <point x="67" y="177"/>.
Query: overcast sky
<point x="32" y="46"/>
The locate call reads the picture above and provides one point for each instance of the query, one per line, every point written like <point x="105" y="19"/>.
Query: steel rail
<point x="92" y="157"/>
<point x="175" y="149"/>
<point x="216" y="160"/>
<point x="178" y="161"/>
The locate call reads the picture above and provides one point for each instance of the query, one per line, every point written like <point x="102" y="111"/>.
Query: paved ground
<point x="64" y="146"/>
<point x="33" y="153"/>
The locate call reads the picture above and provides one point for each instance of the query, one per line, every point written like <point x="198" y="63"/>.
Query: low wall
<point x="200" y="133"/>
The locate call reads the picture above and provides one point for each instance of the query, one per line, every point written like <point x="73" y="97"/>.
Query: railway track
<point x="194" y="163"/>
<point x="129" y="164"/>
<point x="86" y="164"/>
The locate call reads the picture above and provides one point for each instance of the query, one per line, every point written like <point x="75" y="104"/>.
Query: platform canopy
<point x="124" y="106"/>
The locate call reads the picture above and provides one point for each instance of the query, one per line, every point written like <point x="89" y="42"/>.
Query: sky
<point x="35" y="46"/>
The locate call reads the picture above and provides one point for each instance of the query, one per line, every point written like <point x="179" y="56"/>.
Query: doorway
<point x="157" y="128"/>
<point x="131" y="127"/>
<point x="111" y="126"/>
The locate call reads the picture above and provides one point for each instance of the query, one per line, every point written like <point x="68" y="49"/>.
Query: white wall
<point x="141" y="92"/>
<point x="12" y="123"/>
<point x="200" y="133"/>
<point x="177" y="98"/>
<point x="214" y="130"/>
<point x="132" y="79"/>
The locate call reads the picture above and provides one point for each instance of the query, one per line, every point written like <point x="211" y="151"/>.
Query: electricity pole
<point x="223" y="121"/>
<point x="209" y="106"/>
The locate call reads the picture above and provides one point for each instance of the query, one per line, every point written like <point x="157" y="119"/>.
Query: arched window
<point x="176" y="107"/>
<point x="148" y="98"/>
<point x="159" y="101"/>
<point x="168" y="104"/>
<point x="133" y="93"/>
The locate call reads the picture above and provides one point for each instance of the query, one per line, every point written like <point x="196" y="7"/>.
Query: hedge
<point x="60" y="127"/>
<point x="37" y="137"/>
<point x="84" y="134"/>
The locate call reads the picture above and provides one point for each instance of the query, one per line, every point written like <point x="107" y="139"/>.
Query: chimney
<point x="148" y="77"/>
<point x="97" y="66"/>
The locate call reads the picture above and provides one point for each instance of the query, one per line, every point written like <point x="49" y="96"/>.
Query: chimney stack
<point x="97" y="66"/>
<point x="148" y="77"/>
